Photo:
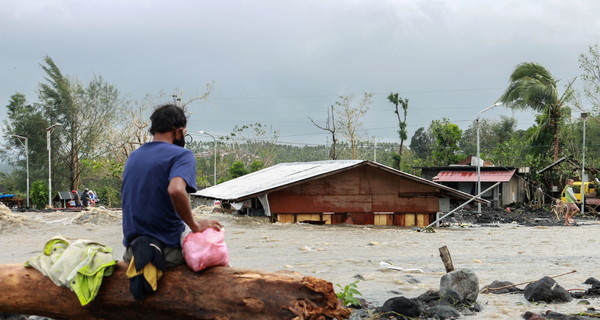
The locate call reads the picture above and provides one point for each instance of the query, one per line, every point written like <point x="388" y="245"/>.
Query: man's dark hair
<point x="166" y="118"/>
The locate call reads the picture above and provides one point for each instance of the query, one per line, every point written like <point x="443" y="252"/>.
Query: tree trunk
<point x="216" y="293"/>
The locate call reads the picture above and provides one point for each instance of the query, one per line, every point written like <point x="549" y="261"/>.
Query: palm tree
<point x="533" y="87"/>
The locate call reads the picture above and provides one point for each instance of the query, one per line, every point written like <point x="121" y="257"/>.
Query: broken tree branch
<point x="447" y="259"/>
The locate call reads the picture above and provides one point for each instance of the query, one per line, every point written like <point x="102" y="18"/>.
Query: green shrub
<point x="39" y="194"/>
<point x="348" y="293"/>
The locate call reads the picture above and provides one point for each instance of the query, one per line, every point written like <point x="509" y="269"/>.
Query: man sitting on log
<point x="156" y="182"/>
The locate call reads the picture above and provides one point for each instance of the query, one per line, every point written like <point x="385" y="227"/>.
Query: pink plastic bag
<point x="205" y="249"/>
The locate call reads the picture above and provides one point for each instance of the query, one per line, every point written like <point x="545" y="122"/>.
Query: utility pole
<point x="48" y="130"/>
<point x="27" y="161"/>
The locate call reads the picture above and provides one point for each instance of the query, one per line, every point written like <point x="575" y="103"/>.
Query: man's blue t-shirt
<point x="147" y="206"/>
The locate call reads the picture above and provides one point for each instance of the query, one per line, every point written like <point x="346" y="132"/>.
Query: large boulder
<point x="546" y="290"/>
<point x="463" y="282"/>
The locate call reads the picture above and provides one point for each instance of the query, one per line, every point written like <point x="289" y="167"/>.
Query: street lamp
<point x="48" y="130"/>
<point x="479" y="155"/>
<point x="215" y="158"/>
<point x="27" y="159"/>
<point x="583" y="177"/>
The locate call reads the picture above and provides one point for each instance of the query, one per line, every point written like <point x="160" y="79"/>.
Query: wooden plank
<point x="384" y="219"/>
<point x="308" y="217"/>
<point x="399" y="219"/>
<point x="285" y="217"/>
<point x="421" y="219"/>
<point x="409" y="219"/>
<point x="380" y="220"/>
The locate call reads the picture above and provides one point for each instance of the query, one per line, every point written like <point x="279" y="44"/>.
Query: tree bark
<point x="217" y="293"/>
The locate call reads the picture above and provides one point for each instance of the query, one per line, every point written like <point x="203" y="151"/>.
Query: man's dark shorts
<point x="173" y="256"/>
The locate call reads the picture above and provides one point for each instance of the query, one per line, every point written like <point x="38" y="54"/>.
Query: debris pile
<point x="98" y="216"/>
<point x="519" y="215"/>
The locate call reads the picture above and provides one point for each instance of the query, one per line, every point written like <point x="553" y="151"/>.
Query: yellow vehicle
<point x="591" y="196"/>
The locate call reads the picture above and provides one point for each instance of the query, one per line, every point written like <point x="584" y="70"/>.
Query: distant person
<point x="571" y="200"/>
<point x="75" y="198"/>
<point x="93" y="198"/>
<point x="154" y="193"/>
<point x="85" y="198"/>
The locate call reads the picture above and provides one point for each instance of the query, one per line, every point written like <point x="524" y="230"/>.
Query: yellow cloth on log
<point x="151" y="273"/>
<point x="79" y="265"/>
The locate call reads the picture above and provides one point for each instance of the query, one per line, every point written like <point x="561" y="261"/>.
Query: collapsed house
<point x="337" y="191"/>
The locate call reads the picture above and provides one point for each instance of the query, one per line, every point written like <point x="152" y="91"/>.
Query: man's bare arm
<point x="179" y="197"/>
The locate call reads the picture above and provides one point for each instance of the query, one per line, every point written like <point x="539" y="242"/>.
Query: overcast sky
<point x="278" y="62"/>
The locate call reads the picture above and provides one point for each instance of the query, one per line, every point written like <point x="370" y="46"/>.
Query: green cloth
<point x="79" y="265"/>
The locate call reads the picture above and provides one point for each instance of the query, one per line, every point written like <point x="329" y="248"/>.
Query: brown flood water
<point x="342" y="253"/>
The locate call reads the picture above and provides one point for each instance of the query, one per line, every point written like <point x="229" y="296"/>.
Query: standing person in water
<point x="156" y="181"/>
<point x="572" y="208"/>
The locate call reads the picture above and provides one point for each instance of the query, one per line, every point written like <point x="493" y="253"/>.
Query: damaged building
<point x="337" y="191"/>
<point x="463" y="176"/>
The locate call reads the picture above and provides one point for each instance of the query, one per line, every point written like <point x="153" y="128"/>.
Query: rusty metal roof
<point x="286" y="174"/>
<point x="470" y="176"/>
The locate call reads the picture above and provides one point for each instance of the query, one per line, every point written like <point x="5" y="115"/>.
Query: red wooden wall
<point x="363" y="190"/>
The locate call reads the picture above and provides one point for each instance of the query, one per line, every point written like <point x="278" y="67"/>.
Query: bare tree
<point x="590" y="64"/>
<point x="349" y="115"/>
<point x="203" y="97"/>
<point x="329" y="127"/>
<point x="133" y="131"/>
<point x="254" y="142"/>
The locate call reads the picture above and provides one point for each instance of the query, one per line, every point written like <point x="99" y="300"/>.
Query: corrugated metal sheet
<point x="273" y="177"/>
<point x="286" y="174"/>
<point x="470" y="176"/>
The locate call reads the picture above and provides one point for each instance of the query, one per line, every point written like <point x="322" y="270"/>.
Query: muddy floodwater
<point x="342" y="254"/>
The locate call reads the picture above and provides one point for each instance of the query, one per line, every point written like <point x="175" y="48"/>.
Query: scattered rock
<point x="490" y="288"/>
<point x="443" y="312"/>
<point x="532" y="316"/>
<point x="546" y="290"/>
<point x="593" y="281"/>
<point x="398" y="307"/>
<point x="450" y="298"/>
<point x="429" y="298"/>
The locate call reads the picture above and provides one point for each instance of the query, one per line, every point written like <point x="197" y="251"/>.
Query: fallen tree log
<point x="219" y="293"/>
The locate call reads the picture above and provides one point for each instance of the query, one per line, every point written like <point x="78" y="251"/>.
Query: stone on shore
<point x="546" y="290"/>
<point x="463" y="282"/>
<point x="490" y="288"/>
<point x="400" y="306"/>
